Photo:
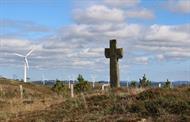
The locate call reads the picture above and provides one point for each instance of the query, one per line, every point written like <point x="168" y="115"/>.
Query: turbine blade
<point x="29" y="52"/>
<point x="26" y="61"/>
<point x="20" y="55"/>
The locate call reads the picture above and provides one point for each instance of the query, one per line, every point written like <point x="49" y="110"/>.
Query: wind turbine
<point x="73" y="78"/>
<point x="128" y="80"/>
<point x="43" y="79"/>
<point x="93" y="81"/>
<point x="26" y="66"/>
<point x="171" y="84"/>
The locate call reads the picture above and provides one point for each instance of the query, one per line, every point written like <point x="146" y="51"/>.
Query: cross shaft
<point x="114" y="54"/>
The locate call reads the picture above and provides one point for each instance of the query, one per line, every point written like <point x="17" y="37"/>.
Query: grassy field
<point x="41" y="104"/>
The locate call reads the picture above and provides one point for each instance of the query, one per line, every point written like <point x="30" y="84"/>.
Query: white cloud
<point x="12" y="43"/>
<point x="160" y="56"/>
<point x="166" y="32"/>
<point x="141" y="60"/>
<point x="98" y="14"/>
<point x="140" y="14"/>
<point x="170" y="42"/>
<point x="121" y="3"/>
<point x="103" y="13"/>
<point x="80" y="63"/>
<point x="182" y="6"/>
<point x="82" y="46"/>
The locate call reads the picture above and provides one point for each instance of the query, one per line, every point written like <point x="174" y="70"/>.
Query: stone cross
<point x="114" y="54"/>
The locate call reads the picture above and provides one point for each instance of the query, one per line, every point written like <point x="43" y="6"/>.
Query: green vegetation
<point x="133" y="84"/>
<point x="82" y="85"/>
<point x="167" y="84"/>
<point x="144" y="82"/>
<point x="60" y="88"/>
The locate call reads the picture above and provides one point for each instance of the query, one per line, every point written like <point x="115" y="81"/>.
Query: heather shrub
<point x="81" y="85"/>
<point x="148" y="94"/>
<point x="133" y="84"/>
<point x="144" y="82"/>
<point x="60" y="88"/>
<point x="152" y="107"/>
<point x="137" y="107"/>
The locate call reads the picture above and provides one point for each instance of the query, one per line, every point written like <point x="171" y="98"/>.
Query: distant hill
<point x="154" y="83"/>
<point x="2" y="77"/>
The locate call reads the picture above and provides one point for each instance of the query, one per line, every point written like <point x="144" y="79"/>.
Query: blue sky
<point x="47" y="12"/>
<point x="69" y="38"/>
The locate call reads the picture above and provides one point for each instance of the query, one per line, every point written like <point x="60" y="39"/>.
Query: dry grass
<point x="130" y="105"/>
<point x="35" y="98"/>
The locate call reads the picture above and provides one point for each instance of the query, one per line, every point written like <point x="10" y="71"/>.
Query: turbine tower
<point x="43" y="80"/>
<point x="93" y="80"/>
<point x="26" y="66"/>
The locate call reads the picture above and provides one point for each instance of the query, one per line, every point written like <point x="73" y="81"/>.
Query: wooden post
<point x="93" y="84"/>
<point x="104" y="85"/>
<point x="160" y="85"/>
<point x="21" y="91"/>
<point x="69" y="84"/>
<point x="1" y="90"/>
<point x="72" y="90"/>
<point x="171" y="85"/>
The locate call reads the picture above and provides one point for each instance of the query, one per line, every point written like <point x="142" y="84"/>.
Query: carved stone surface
<point x="114" y="54"/>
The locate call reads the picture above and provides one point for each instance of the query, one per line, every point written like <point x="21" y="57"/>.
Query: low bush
<point x="152" y="107"/>
<point x="137" y="107"/>
<point x="178" y="107"/>
<point x="81" y="85"/>
<point x="133" y="84"/>
<point x="60" y="88"/>
<point x="148" y="94"/>
<point x="144" y="82"/>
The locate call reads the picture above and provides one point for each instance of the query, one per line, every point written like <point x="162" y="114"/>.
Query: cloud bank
<point x="81" y="45"/>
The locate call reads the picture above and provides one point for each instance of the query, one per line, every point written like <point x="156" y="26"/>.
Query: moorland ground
<point x="41" y="104"/>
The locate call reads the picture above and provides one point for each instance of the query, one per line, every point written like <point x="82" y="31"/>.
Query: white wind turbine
<point x="93" y="80"/>
<point x="43" y="79"/>
<point x="26" y="66"/>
